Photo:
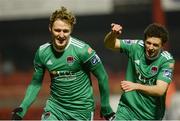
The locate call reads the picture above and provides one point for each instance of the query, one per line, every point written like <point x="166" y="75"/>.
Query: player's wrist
<point x="16" y="113"/>
<point x="105" y="110"/>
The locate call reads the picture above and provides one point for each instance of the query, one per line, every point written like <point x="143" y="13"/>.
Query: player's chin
<point x="59" y="44"/>
<point x="149" y="55"/>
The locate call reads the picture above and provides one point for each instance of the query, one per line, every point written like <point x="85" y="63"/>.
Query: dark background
<point x="20" y="38"/>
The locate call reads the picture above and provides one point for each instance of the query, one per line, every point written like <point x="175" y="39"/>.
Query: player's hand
<point x="116" y="28"/>
<point x="15" y="116"/>
<point x="128" y="86"/>
<point x="108" y="117"/>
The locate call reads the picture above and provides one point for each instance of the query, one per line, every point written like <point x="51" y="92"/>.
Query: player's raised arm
<point x="111" y="40"/>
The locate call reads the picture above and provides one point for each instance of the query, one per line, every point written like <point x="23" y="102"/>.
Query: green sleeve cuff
<point x="106" y="110"/>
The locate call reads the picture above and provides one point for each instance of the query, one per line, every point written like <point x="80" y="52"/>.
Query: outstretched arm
<point x="110" y="39"/>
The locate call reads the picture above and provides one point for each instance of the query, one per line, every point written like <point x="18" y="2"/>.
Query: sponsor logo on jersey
<point x="95" y="59"/>
<point x="167" y="73"/>
<point x="70" y="60"/>
<point x="63" y="75"/>
<point x="154" y="69"/>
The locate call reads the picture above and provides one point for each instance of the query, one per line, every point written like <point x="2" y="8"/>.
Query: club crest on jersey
<point x="154" y="69"/>
<point x="95" y="59"/>
<point x="70" y="60"/>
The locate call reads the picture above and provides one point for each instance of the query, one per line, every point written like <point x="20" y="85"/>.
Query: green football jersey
<point x="71" y="87"/>
<point x="141" y="105"/>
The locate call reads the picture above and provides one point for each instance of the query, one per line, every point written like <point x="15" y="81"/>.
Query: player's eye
<point x="65" y="30"/>
<point x="155" y="45"/>
<point x="57" y="30"/>
<point x="148" y="43"/>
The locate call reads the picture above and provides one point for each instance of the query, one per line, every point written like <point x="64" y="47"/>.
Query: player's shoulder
<point x="167" y="59"/>
<point x="44" y="48"/>
<point x="140" y="43"/>
<point x="81" y="48"/>
<point x="78" y="44"/>
<point x="165" y="55"/>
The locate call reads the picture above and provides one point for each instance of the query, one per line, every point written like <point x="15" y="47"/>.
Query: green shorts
<point x="52" y="111"/>
<point x="123" y="113"/>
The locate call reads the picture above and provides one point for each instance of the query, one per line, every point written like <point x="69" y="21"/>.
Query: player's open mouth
<point x="149" y="54"/>
<point x="60" y="41"/>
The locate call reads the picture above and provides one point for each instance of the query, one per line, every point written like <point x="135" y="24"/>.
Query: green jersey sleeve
<point x="86" y="53"/>
<point x="94" y="64"/>
<point x="102" y="77"/>
<point x="166" y="71"/>
<point x="34" y="86"/>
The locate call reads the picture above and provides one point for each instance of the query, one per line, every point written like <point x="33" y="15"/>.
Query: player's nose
<point x="61" y="34"/>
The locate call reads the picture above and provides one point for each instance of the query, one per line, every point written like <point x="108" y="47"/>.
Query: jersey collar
<point x="69" y="42"/>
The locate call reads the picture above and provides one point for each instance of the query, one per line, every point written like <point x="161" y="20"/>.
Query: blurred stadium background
<point x="24" y="26"/>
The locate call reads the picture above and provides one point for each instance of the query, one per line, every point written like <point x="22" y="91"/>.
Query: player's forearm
<point x="110" y="40"/>
<point x="31" y="94"/>
<point x="102" y="78"/>
<point x="153" y="90"/>
<point x="104" y="94"/>
<point x="104" y="90"/>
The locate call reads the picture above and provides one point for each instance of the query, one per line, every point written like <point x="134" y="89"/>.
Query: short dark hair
<point x="156" y="30"/>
